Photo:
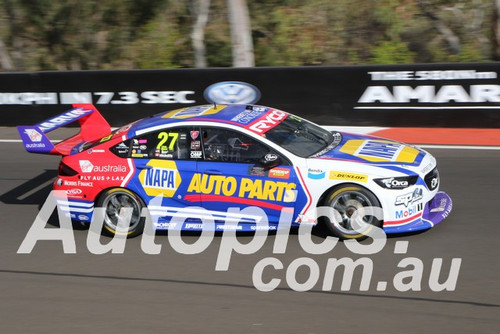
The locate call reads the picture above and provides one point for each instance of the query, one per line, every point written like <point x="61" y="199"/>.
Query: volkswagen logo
<point x="228" y="92"/>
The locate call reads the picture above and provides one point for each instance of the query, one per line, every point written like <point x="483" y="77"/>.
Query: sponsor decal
<point x="142" y="141"/>
<point x="194" y="111"/>
<point x="427" y="168"/>
<point x="102" y="178"/>
<point x="405" y="90"/>
<point x="196" y="155"/>
<point x="195" y="145"/>
<point x="228" y="186"/>
<point x="87" y="167"/>
<point x="39" y="145"/>
<point x="73" y="192"/>
<point x="431" y="94"/>
<point x="84" y="184"/>
<point x="412" y="210"/>
<point x="163" y="178"/>
<point x="271" y="157"/>
<point x="335" y="175"/>
<point x="432" y="179"/>
<point x="434" y="183"/>
<point x="337" y="138"/>
<point x="194" y="134"/>
<point x="228" y="227"/>
<point x="78" y="183"/>
<point x="63" y="119"/>
<point x="34" y="135"/>
<point x="316" y="174"/>
<point x="280" y="173"/>
<point x="83" y="217"/>
<point x="257" y="171"/>
<point x="442" y="205"/>
<point x="248" y="115"/>
<point x="91" y="150"/>
<point x="267" y="121"/>
<point x="380" y="150"/>
<point x="395" y="183"/>
<point x="409" y="198"/>
<point x="232" y="92"/>
<point x="160" y="178"/>
<point x="193" y="226"/>
<point x="123" y="97"/>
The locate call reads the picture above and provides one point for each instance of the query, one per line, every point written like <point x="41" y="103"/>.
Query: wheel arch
<point x="104" y="190"/>
<point x="324" y="195"/>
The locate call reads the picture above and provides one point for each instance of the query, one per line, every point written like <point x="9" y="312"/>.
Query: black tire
<point x="112" y="200"/>
<point x="346" y="199"/>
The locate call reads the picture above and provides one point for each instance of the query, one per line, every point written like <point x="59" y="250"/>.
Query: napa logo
<point x="380" y="150"/>
<point x="162" y="179"/>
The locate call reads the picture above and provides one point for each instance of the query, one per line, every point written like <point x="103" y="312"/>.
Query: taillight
<point x="65" y="170"/>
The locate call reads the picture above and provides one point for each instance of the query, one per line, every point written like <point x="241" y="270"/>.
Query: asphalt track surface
<point x="48" y="291"/>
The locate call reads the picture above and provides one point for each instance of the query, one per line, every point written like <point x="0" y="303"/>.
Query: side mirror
<point x="270" y="160"/>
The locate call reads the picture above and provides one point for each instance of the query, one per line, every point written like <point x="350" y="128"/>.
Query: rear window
<point x="92" y="143"/>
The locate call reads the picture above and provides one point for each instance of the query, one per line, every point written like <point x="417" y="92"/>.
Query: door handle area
<point x="212" y="172"/>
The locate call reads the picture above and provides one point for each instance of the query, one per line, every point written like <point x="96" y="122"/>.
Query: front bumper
<point x="435" y="211"/>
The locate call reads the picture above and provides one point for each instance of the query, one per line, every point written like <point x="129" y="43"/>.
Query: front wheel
<point x="113" y="201"/>
<point x="346" y="200"/>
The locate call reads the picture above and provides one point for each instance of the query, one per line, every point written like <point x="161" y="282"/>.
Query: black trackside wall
<point x="424" y="95"/>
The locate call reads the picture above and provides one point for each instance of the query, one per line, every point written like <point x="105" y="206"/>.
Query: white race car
<point x="216" y="157"/>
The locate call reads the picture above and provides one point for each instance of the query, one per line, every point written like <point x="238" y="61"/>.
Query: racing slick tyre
<point x="115" y="199"/>
<point x="346" y="200"/>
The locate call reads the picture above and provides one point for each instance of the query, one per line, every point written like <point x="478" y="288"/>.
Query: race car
<point x="211" y="159"/>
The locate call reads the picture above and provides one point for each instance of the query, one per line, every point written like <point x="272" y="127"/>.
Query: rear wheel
<point x="113" y="201"/>
<point x="346" y="200"/>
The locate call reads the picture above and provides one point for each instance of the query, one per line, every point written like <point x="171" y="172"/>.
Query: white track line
<point x="451" y="147"/>
<point x="20" y="141"/>
<point x="461" y="147"/>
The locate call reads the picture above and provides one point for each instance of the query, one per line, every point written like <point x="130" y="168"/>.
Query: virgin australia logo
<point x="228" y="92"/>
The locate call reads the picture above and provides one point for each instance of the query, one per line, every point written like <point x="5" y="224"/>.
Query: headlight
<point x="400" y="182"/>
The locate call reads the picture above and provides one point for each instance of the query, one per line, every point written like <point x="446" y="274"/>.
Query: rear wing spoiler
<point x="92" y="127"/>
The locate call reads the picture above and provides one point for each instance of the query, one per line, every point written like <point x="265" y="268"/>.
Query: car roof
<point x="236" y="114"/>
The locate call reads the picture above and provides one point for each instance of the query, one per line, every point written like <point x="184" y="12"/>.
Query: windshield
<point x="300" y="137"/>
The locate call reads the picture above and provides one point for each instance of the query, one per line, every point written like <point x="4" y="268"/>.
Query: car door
<point x="237" y="170"/>
<point x="164" y="166"/>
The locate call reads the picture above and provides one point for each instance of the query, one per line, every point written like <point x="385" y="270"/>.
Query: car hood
<point x="372" y="150"/>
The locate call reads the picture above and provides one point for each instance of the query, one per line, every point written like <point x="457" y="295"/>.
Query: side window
<point x="164" y="144"/>
<point x="231" y="146"/>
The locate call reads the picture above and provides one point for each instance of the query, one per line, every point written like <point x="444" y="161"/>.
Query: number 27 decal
<point x="164" y="137"/>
